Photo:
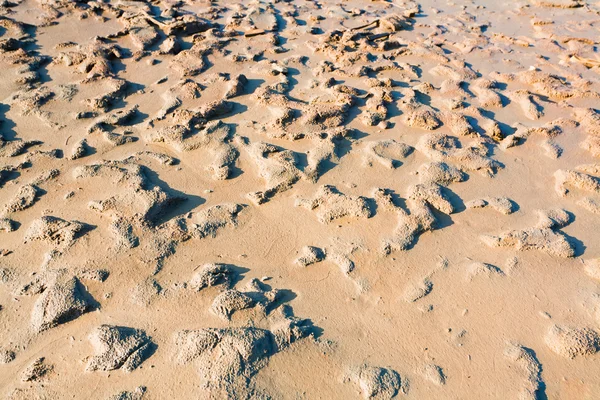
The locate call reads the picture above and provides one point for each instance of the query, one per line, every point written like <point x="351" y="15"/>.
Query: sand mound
<point x="378" y="382"/>
<point x="501" y="204"/>
<point x="444" y="148"/>
<point x="209" y="221"/>
<point x="63" y="298"/>
<point x="545" y="236"/>
<point x="212" y="275"/>
<point x="589" y="204"/>
<point x="479" y="268"/>
<point x="119" y="347"/>
<point x="215" y="137"/>
<point x="227" y="358"/>
<point x="531" y="368"/>
<point x="571" y="342"/>
<point x="142" y="199"/>
<point x="575" y="179"/>
<point x="440" y="173"/>
<point x="432" y="195"/>
<point x="276" y="166"/>
<point x="330" y="204"/>
<point x="310" y="255"/>
<point x="146" y="292"/>
<point x="55" y="231"/>
<point x="136" y="394"/>
<point x="410" y="226"/>
<point x="6" y="356"/>
<point x="434" y="374"/>
<point x="37" y="371"/>
<point x="230" y="301"/>
<point x="417" y="290"/>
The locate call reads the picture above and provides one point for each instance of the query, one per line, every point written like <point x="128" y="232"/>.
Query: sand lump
<point x="118" y="347"/>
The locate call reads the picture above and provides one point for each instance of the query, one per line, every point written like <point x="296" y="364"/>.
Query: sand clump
<point x="230" y="301"/>
<point x="209" y="275"/>
<point x="136" y="394"/>
<point x="386" y="152"/>
<point x="118" y="347"/>
<point x="330" y="204"/>
<point x="479" y="268"/>
<point x="440" y="173"/>
<point x="37" y="371"/>
<point x="6" y="356"/>
<point x="215" y="137"/>
<point x="434" y="374"/>
<point x="576" y="179"/>
<point x="378" y="382"/>
<point x="63" y="298"/>
<point x="207" y="222"/>
<point x="410" y="226"/>
<point x="227" y="358"/>
<point x="531" y="369"/>
<point x="276" y="166"/>
<point x="501" y="204"/>
<point x="418" y="217"/>
<point x="146" y="292"/>
<point x="545" y="236"/>
<point x="417" y="290"/>
<point x="310" y="255"/>
<point x="570" y="342"/>
<point x="444" y="148"/>
<point x="60" y="233"/>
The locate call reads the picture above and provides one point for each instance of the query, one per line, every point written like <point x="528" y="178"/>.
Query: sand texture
<point x="357" y="199"/>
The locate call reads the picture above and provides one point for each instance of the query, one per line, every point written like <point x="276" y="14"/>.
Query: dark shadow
<point x="342" y="146"/>
<point x="237" y="109"/>
<point x="7" y="175"/>
<point x="514" y="206"/>
<point x="83" y="294"/>
<point x="578" y="246"/>
<point x="540" y="393"/>
<point x="237" y="274"/>
<point x="292" y="82"/>
<point x="372" y="206"/>
<point x="177" y="203"/>
<point x="457" y="203"/>
<point x="252" y="85"/>
<point x="396" y="199"/>
<point x="85" y="229"/>
<point x="6" y="125"/>
<point x="280" y="21"/>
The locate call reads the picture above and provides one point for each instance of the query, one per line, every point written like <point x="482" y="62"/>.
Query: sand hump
<point x="531" y="369"/>
<point x="227" y="358"/>
<point x="118" y="347"/>
<point x="330" y="204"/>
<point x="570" y="342"/>
<point x="378" y="382"/>
<point x="545" y="236"/>
<point x="62" y="299"/>
<point x="58" y="232"/>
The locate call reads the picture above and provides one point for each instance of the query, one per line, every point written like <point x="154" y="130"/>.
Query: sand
<point x="299" y="199"/>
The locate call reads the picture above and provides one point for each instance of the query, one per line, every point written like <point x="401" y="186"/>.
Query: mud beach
<point x="299" y="199"/>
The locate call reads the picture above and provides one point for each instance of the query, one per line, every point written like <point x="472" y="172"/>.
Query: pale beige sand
<point x="299" y="200"/>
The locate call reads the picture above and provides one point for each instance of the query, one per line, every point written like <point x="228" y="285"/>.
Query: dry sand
<point x="299" y="199"/>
